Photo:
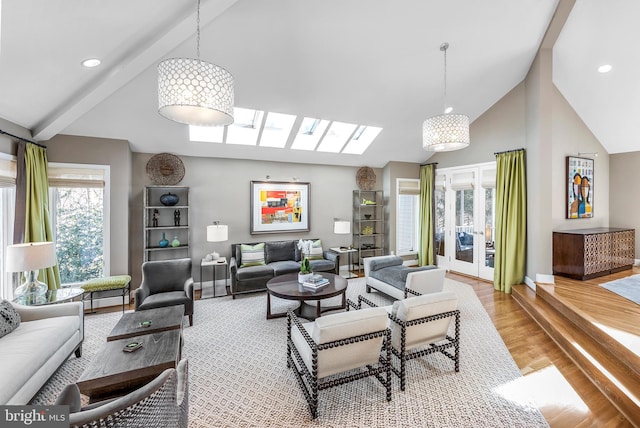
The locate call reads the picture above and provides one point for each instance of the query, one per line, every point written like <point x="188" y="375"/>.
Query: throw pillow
<point x="9" y="318"/>
<point x="252" y="255"/>
<point x="316" y="251"/>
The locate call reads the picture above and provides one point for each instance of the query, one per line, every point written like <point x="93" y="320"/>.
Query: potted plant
<point x="305" y="267"/>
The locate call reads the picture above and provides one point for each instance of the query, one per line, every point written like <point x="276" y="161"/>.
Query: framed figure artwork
<point x="579" y="187"/>
<point x="279" y="206"/>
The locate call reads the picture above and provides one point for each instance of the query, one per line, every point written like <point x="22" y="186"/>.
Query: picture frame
<point x="279" y="207"/>
<point x="580" y="182"/>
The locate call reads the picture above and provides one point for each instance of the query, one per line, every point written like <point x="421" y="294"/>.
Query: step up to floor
<point x="608" y="365"/>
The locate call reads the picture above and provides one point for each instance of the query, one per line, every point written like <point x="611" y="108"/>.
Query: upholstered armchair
<point x="347" y="342"/>
<point x="166" y="283"/>
<point x="420" y="326"/>
<point x="163" y="402"/>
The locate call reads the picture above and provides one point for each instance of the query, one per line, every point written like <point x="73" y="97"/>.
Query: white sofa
<point x="46" y="337"/>
<point x="388" y="275"/>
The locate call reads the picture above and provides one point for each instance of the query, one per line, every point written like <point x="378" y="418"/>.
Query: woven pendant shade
<point x="195" y="92"/>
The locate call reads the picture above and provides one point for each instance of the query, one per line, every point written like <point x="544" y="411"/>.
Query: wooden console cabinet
<point x="590" y="253"/>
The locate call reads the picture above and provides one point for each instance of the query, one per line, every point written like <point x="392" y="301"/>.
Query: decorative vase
<point x="302" y="277"/>
<point x="175" y="242"/>
<point x="169" y="199"/>
<point x="164" y="242"/>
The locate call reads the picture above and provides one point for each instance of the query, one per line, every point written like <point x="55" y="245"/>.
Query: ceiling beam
<point x="126" y="68"/>
<point x="560" y="16"/>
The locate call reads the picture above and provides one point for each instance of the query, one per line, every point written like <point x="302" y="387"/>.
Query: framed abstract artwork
<point x="279" y="206"/>
<point x="579" y="187"/>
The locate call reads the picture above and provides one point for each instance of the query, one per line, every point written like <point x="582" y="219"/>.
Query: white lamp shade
<point x="445" y="133"/>
<point x="217" y="233"/>
<point x="195" y="92"/>
<point x="30" y="256"/>
<point x="341" y="227"/>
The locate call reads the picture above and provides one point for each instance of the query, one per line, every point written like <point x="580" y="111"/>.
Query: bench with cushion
<point x="388" y="275"/>
<point x="253" y="264"/>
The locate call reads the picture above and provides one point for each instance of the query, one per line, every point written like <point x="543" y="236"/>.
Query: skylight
<point x="245" y="128"/>
<point x="269" y="129"/>
<point x="276" y="130"/>
<point x="361" y="139"/>
<point x="336" y="137"/>
<point x="310" y="132"/>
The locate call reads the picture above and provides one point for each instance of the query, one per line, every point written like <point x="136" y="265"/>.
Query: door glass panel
<point x="464" y="225"/>
<point x="440" y="217"/>
<point x="489" y="227"/>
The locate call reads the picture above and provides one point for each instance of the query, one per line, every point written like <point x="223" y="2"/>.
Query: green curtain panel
<point x="426" y="253"/>
<point x="511" y="220"/>
<point x="38" y="223"/>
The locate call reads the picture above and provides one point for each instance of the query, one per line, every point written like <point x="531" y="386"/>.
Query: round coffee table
<point x="288" y="287"/>
<point x="59" y="295"/>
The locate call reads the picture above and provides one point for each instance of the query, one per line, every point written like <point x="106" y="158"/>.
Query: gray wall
<point x="220" y="191"/>
<point x="8" y="144"/>
<point x="624" y="186"/>
<point x="116" y="154"/>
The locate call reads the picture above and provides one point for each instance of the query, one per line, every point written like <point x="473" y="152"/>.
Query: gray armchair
<point x="166" y="283"/>
<point x="163" y="402"/>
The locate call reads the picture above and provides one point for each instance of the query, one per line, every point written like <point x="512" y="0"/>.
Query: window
<point x="408" y="218"/>
<point x="7" y="210"/>
<point x="77" y="195"/>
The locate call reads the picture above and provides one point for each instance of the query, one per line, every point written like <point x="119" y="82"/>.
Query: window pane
<point x="407" y="233"/>
<point x="440" y="235"/>
<point x="489" y="226"/>
<point x="7" y="209"/>
<point x="79" y="227"/>
<point x="464" y="225"/>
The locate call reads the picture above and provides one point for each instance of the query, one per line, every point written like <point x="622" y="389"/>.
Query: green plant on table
<point x="305" y="267"/>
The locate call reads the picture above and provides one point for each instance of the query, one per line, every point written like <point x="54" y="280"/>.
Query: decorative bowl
<point x="169" y="199"/>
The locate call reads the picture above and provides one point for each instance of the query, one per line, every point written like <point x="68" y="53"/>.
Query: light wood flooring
<point x="564" y="395"/>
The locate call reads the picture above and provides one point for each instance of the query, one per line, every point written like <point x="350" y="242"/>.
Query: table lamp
<point x="29" y="258"/>
<point x="341" y="227"/>
<point x="217" y="233"/>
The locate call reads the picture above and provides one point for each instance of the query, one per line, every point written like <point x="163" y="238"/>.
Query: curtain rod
<point x="430" y="163"/>
<point x="508" y="151"/>
<point x="22" y="139"/>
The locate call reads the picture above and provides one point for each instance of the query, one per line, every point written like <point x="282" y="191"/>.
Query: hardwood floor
<point x="561" y="391"/>
<point x="564" y="395"/>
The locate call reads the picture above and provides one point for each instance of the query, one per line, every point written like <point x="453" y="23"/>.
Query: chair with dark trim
<point x="337" y="349"/>
<point x="163" y="402"/>
<point x="420" y="326"/>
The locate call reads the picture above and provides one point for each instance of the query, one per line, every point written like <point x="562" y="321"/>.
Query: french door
<point x="465" y="219"/>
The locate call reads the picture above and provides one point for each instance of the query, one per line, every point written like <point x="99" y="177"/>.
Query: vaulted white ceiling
<point x="370" y="62"/>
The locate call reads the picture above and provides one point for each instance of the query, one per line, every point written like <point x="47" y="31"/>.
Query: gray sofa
<point x="281" y="257"/>
<point x="388" y="275"/>
<point x="46" y="337"/>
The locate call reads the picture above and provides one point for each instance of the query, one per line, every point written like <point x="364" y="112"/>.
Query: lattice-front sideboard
<point x="590" y="253"/>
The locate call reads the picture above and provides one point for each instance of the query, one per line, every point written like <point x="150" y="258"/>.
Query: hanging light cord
<point x="198" y="31"/>
<point x="444" y="47"/>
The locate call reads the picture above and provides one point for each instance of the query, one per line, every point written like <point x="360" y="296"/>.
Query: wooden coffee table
<point x="161" y="319"/>
<point x="114" y="372"/>
<point x="288" y="287"/>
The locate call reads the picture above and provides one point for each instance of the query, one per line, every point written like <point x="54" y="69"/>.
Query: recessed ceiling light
<point x="448" y="110"/>
<point x="91" y="62"/>
<point x="605" y="68"/>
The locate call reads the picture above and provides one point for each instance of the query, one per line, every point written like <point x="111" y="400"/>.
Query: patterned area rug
<point x="628" y="287"/>
<point x="239" y="378"/>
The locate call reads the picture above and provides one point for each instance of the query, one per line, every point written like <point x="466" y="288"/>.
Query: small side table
<point x="348" y="251"/>
<point x="221" y="262"/>
<point x="59" y="295"/>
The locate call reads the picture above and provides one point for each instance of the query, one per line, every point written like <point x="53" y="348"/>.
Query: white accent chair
<point x="350" y="342"/>
<point x="386" y="274"/>
<point x="420" y="326"/>
<point x="163" y="402"/>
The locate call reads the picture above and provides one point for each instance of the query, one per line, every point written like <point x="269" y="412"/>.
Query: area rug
<point x="239" y="378"/>
<point x="628" y="287"/>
